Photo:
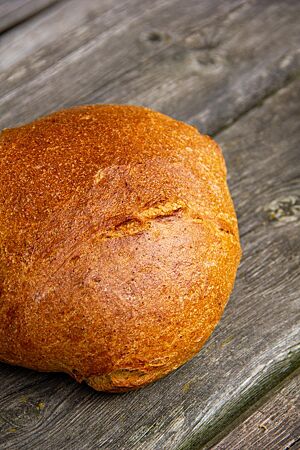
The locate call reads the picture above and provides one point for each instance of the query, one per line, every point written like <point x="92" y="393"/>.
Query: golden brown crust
<point x="118" y="244"/>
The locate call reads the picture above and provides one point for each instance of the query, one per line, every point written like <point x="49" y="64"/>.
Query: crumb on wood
<point x="40" y="406"/>
<point x="226" y="341"/>
<point x="263" y="427"/>
<point x="186" y="387"/>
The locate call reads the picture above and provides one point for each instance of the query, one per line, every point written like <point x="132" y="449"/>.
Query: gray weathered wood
<point x="13" y="12"/>
<point x="116" y="58"/>
<point x="63" y="32"/>
<point x="274" y="425"/>
<point x="255" y="345"/>
<point x="68" y="24"/>
<point x="211" y="60"/>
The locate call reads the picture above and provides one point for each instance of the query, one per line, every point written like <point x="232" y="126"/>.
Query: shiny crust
<point x="118" y="244"/>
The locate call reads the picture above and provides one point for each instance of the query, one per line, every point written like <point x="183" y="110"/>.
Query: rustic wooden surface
<point x="13" y="12"/>
<point x="275" y="424"/>
<point x="232" y="69"/>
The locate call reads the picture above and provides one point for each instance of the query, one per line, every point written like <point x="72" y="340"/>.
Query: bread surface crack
<point x="141" y="221"/>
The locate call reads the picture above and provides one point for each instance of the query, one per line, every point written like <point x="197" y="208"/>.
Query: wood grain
<point x="68" y="21"/>
<point x="211" y="60"/>
<point x="274" y="425"/>
<point x="116" y="56"/>
<point x="89" y="23"/>
<point x="12" y="12"/>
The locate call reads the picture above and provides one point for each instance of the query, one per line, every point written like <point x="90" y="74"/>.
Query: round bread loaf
<point x="118" y="244"/>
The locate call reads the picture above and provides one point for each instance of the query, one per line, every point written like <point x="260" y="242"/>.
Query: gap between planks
<point x="289" y="80"/>
<point x="17" y="14"/>
<point x="272" y="422"/>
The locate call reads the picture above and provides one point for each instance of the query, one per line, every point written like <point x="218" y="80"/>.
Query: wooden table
<point x="231" y="68"/>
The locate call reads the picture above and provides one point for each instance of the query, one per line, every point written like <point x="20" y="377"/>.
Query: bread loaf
<point x="118" y="244"/>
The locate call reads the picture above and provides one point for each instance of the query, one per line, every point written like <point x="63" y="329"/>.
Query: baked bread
<point x="118" y="244"/>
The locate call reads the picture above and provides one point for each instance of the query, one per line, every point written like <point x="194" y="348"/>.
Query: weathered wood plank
<point x="76" y="23"/>
<point x="210" y="61"/>
<point x="13" y="12"/>
<point x="255" y="345"/>
<point x="68" y="21"/>
<point x="275" y="424"/>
